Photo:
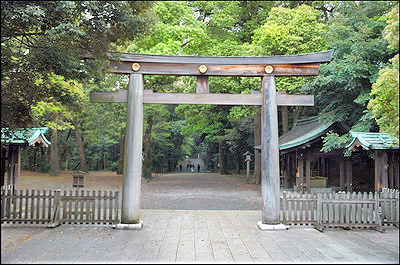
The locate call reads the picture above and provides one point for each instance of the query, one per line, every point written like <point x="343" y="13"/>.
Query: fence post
<point x="284" y="202"/>
<point x="55" y="219"/>
<point x="8" y="201"/>
<point x="3" y="193"/>
<point x="397" y="204"/>
<point x="318" y="225"/>
<point x="116" y="198"/>
<point x="377" y="214"/>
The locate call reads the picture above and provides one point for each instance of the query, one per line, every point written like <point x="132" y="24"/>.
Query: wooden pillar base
<point x="137" y="226"/>
<point x="279" y="226"/>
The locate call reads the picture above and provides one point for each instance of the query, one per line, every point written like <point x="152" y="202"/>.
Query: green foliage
<point x="42" y="44"/>
<point x="291" y="31"/>
<point x="39" y="38"/>
<point x="332" y="141"/>
<point x="385" y="104"/>
<point x="176" y="32"/>
<point x="56" y="112"/>
<point x="231" y="20"/>
<point x="341" y="89"/>
<point x="392" y="29"/>
<point x="104" y="122"/>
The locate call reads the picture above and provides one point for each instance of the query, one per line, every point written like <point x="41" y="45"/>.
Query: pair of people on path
<point x="191" y="166"/>
<point x="188" y="165"/>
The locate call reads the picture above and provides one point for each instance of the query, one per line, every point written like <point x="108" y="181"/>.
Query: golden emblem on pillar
<point x="202" y="68"/>
<point x="135" y="67"/>
<point x="269" y="69"/>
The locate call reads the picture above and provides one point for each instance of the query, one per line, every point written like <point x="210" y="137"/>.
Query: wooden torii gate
<point x="137" y="65"/>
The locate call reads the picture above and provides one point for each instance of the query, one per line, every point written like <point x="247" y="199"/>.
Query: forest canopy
<point x="45" y="81"/>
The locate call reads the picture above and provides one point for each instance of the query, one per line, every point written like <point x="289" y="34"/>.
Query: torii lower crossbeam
<point x="282" y="99"/>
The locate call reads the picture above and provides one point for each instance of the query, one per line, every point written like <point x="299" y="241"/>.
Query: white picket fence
<point x="341" y="209"/>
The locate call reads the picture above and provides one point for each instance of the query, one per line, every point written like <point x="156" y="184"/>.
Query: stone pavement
<point x="196" y="236"/>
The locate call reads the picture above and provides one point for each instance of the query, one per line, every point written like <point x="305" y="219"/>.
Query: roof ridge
<point x="307" y="120"/>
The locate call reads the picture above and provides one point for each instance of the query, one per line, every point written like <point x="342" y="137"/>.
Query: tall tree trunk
<point x="104" y="161"/>
<point x="147" y="164"/>
<point x="82" y="157"/>
<point x="298" y="113"/>
<point x="238" y="161"/>
<point x="97" y="158"/>
<point x="3" y="163"/>
<point x="222" y="164"/>
<point x="54" y="158"/>
<point x="35" y="166"/>
<point x="120" y="169"/>
<point x="285" y="119"/>
<point x="256" y="177"/>
<point x="170" y="164"/>
<point x="67" y="160"/>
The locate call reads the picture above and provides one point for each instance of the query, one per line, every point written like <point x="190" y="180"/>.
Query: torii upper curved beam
<point x="282" y="65"/>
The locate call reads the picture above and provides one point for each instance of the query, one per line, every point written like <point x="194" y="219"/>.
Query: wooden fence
<point x="26" y="206"/>
<point x="389" y="203"/>
<point x="322" y="210"/>
<point x="56" y="207"/>
<point x="340" y="209"/>
<point x="298" y="208"/>
<point x="89" y="208"/>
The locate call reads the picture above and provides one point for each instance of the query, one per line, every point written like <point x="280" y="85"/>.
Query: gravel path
<point x="175" y="191"/>
<point x="200" y="191"/>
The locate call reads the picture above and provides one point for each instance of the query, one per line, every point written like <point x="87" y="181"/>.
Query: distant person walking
<point x="180" y="167"/>
<point x="191" y="167"/>
<point x="187" y="167"/>
<point x="198" y="168"/>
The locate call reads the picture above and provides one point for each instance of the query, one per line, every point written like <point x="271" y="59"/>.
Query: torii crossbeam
<point x="137" y="65"/>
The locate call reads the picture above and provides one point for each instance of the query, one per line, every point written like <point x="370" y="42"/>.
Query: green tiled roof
<point x="23" y="135"/>
<point x="374" y="141"/>
<point x="304" y="131"/>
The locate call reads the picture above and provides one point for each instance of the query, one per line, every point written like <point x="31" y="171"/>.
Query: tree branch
<point x="24" y="35"/>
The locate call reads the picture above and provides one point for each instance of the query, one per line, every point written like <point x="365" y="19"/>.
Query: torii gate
<point x="137" y="65"/>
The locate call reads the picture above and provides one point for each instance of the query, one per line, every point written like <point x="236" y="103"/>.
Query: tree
<point x="385" y="104"/>
<point x="231" y="21"/>
<point x="286" y="31"/>
<point x="176" y="32"/>
<point x="290" y="31"/>
<point x="57" y="115"/>
<point x="103" y="125"/>
<point x="343" y="86"/>
<point x="43" y="37"/>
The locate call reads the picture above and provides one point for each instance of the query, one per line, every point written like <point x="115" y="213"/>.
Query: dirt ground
<point x="174" y="191"/>
<point x="104" y="180"/>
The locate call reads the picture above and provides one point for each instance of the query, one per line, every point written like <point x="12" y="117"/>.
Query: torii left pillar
<point x="132" y="173"/>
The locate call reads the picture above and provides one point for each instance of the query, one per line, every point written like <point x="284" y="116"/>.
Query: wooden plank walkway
<point x="196" y="236"/>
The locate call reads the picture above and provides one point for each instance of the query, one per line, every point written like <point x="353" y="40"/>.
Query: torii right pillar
<point x="270" y="180"/>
